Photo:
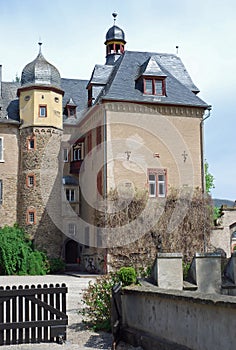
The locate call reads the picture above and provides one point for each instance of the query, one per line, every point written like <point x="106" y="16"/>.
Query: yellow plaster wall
<point x="144" y="135"/>
<point x="29" y="110"/>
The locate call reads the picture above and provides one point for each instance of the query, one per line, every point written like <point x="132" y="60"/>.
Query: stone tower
<point x="40" y="108"/>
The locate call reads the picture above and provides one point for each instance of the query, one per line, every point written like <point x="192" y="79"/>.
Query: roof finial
<point x="40" y="44"/>
<point x="114" y="16"/>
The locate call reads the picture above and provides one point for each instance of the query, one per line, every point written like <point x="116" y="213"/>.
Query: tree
<point x="17" y="254"/>
<point x="209" y="178"/>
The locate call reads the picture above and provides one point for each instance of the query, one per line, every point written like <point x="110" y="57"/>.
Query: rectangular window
<point x="72" y="229"/>
<point x="153" y="86"/>
<point x="161" y="186"/>
<point x="152" y="185"/>
<point x="30" y="180"/>
<point x="157" y="182"/>
<point x="31" y="217"/>
<point x="31" y="143"/>
<point x="78" y="151"/>
<point x="65" y="155"/>
<point x="1" y="192"/>
<point x="1" y="150"/>
<point x="148" y="87"/>
<point x="158" y="87"/>
<point x="70" y="195"/>
<point x="43" y="111"/>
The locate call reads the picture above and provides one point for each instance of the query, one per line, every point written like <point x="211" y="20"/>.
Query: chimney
<point x="0" y="80"/>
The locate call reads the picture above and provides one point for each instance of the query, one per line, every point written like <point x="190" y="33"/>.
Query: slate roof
<point x="118" y="82"/>
<point x="115" y="33"/>
<point x="75" y="89"/>
<point x="101" y="74"/>
<point x="9" y="111"/>
<point x="122" y="84"/>
<point x="40" y="72"/>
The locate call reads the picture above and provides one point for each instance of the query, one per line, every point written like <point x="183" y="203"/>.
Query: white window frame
<point x="31" y="217"/>
<point x="72" y="228"/>
<point x="152" y="183"/>
<point x="158" y="182"/>
<point x="65" y="155"/>
<point x="78" y="151"/>
<point x="161" y="185"/>
<point x="71" y="198"/>
<point x="1" y="149"/>
<point x="43" y="109"/>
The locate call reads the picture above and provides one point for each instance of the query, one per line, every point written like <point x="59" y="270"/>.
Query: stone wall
<point x="44" y="197"/>
<point x="173" y="320"/>
<point x="177" y="315"/>
<point x="9" y="174"/>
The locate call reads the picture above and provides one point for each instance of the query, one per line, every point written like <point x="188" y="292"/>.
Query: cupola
<point x="40" y="94"/>
<point x="115" y="43"/>
<point x="40" y="72"/>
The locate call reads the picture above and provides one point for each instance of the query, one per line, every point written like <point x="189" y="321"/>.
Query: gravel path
<point x="78" y="337"/>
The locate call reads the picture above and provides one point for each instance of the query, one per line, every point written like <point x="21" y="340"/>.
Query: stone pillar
<point x="168" y="271"/>
<point x="205" y="272"/>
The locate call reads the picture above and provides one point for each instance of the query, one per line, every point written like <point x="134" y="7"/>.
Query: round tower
<point x="40" y="108"/>
<point x="115" y="43"/>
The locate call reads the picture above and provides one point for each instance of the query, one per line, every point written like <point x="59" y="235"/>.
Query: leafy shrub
<point x="97" y="298"/>
<point x="56" y="265"/>
<point x="17" y="255"/>
<point x="127" y="275"/>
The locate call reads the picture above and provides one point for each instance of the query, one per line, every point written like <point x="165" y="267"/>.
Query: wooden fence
<point x="30" y="314"/>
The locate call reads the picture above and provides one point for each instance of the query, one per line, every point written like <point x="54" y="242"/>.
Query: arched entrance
<point x="71" y="252"/>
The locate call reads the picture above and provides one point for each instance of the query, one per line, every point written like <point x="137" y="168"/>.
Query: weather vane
<point x="114" y="16"/>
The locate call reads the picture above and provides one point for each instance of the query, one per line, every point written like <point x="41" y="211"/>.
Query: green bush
<point x="17" y="255"/>
<point x="97" y="298"/>
<point x="127" y="275"/>
<point x="56" y="265"/>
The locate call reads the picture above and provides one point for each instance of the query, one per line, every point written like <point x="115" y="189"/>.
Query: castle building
<point x="65" y="144"/>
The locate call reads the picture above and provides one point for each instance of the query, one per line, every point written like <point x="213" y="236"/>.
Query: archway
<point x="71" y="252"/>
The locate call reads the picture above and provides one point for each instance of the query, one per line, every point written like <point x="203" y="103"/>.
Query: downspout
<point x="203" y="169"/>
<point x="203" y="149"/>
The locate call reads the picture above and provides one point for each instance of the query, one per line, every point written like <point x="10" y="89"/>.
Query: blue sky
<point x="73" y="35"/>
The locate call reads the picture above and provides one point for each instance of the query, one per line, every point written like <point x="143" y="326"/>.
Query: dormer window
<point x="154" y="86"/>
<point x="71" y="111"/>
<point x="71" y="108"/>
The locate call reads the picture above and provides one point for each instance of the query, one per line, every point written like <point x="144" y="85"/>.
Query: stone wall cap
<point x="169" y="255"/>
<point x="207" y="255"/>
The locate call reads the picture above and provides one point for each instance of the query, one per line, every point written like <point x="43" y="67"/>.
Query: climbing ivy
<point x="17" y="254"/>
